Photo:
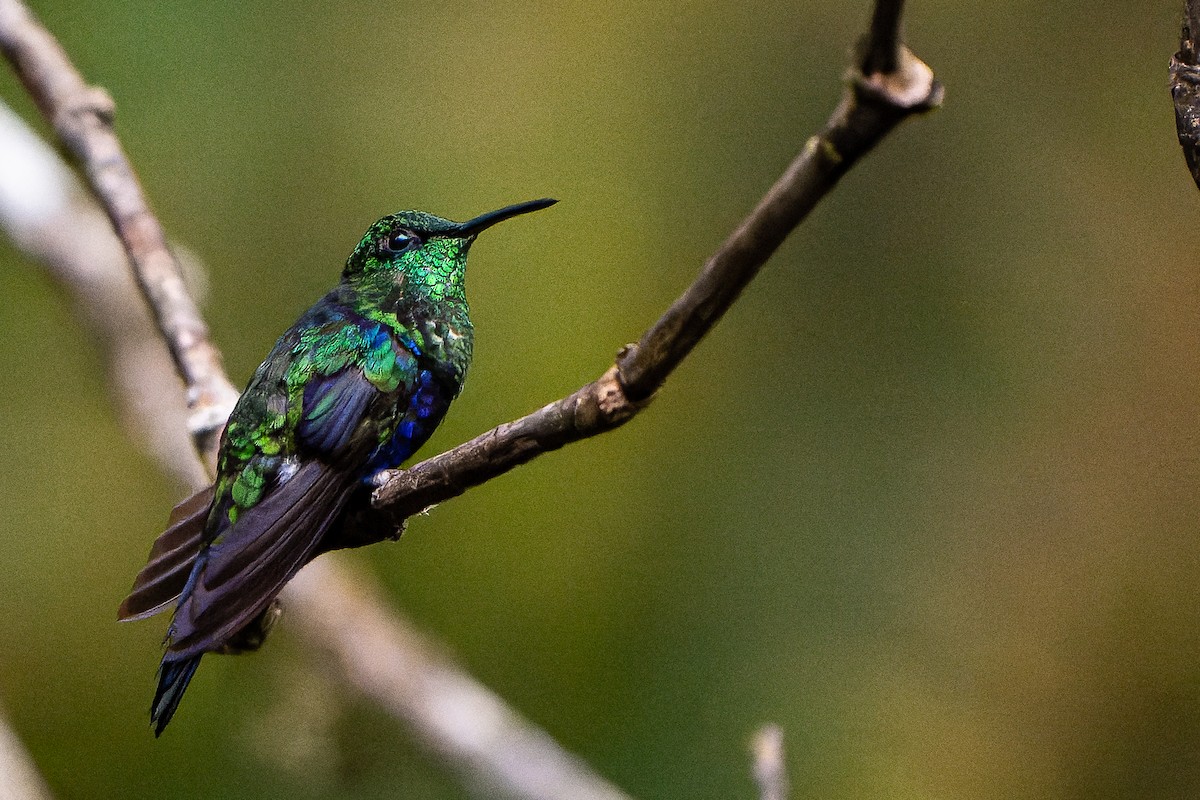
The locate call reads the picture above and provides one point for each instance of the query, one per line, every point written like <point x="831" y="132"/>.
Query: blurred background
<point x="926" y="497"/>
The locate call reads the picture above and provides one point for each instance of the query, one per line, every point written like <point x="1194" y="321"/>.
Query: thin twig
<point x="883" y="48"/>
<point x="873" y="104"/>
<point x="769" y="771"/>
<point x="876" y="100"/>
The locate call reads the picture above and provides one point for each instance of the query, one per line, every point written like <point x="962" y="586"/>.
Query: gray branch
<point x="82" y="117"/>
<point x="40" y="197"/>
<point x="377" y="652"/>
<point x="500" y="751"/>
<point x="494" y="749"/>
<point x="19" y="778"/>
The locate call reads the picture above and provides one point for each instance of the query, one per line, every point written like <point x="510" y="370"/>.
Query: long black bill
<point x="484" y="221"/>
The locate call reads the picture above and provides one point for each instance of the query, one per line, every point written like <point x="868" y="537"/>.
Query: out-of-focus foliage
<point x="927" y="497"/>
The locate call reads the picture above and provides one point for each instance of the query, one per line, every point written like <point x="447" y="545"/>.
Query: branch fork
<point x="889" y="85"/>
<point x="911" y="86"/>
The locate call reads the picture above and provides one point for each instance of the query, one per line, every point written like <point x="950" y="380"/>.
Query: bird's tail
<point x="173" y="679"/>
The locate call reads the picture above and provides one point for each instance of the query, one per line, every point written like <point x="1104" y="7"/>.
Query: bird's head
<point x="419" y="252"/>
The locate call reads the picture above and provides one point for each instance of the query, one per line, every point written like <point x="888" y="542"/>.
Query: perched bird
<point x="353" y="388"/>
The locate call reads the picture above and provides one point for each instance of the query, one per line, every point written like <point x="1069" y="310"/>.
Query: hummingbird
<point x="354" y="388"/>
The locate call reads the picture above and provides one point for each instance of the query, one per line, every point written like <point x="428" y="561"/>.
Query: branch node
<point x="911" y="86"/>
<point x="820" y="146"/>
<point x="204" y="420"/>
<point x="70" y="120"/>
<point x="614" y="402"/>
<point x="628" y="354"/>
<point x="209" y="407"/>
<point x="636" y="391"/>
<point x="93" y="100"/>
<point x="610" y="396"/>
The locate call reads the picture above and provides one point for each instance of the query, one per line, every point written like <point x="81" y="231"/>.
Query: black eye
<point x="401" y="241"/>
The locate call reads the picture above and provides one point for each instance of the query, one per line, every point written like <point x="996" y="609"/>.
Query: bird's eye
<point x="401" y="241"/>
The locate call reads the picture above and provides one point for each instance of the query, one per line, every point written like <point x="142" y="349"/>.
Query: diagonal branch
<point x="82" y="117"/>
<point x="375" y="650"/>
<point x="39" y="199"/>
<point x="460" y="720"/>
<point x="874" y="103"/>
<point x="888" y="86"/>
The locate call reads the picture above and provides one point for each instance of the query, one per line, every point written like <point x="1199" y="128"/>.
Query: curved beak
<point x="481" y="223"/>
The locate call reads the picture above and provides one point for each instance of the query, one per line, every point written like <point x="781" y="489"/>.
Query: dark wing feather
<point x="241" y="573"/>
<point x="171" y="558"/>
<point x="244" y="565"/>
<point x="333" y="408"/>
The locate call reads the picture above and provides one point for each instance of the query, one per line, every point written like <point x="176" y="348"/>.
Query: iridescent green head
<point x="422" y="252"/>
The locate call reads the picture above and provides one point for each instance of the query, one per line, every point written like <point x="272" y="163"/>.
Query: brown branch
<point x="874" y="103"/>
<point x="1185" y="88"/>
<point x="769" y="771"/>
<point x="597" y="407"/>
<point x="891" y="85"/>
<point x="82" y="117"/>
<point x="1192" y="20"/>
<point x="883" y="50"/>
<point x="377" y="652"/>
<point x="39" y="199"/>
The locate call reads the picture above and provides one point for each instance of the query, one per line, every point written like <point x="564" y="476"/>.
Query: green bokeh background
<point x="927" y="497"/>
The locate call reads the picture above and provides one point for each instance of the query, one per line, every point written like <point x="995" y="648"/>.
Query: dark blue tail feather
<point x="173" y="679"/>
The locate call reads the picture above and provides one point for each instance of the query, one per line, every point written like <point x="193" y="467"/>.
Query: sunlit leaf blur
<point x="927" y="497"/>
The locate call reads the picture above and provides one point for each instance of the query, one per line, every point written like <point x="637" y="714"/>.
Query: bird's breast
<point x="417" y="421"/>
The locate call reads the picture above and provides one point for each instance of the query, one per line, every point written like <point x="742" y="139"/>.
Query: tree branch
<point x="377" y="652"/>
<point x="890" y="85"/>
<point x="39" y="199"/>
<point x="874" y="103"/>
<point x="882" y="48"/>
<point x="1185" y="88"/>
<point x="82" y="117"/>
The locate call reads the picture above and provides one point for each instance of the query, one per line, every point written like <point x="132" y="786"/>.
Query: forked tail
<point x="173" y="679"/>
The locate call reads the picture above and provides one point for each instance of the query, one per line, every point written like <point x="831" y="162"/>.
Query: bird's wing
<point x="333" y="411"/>
<point x="272" y="514"/>
<point x="238" y="575"/>
<point x="165" y="574"/>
